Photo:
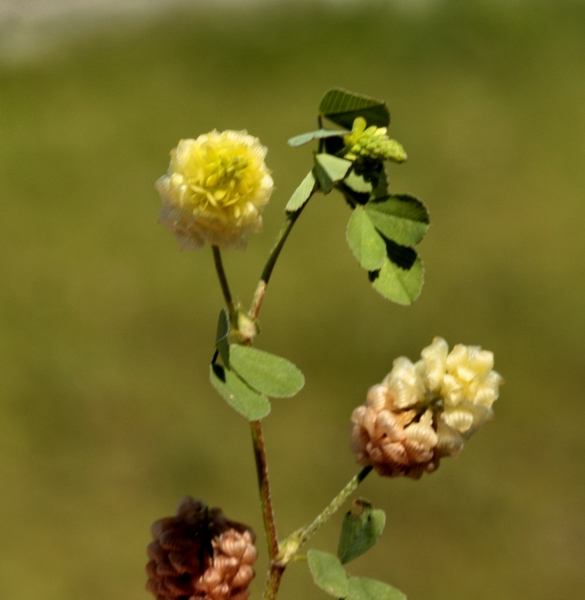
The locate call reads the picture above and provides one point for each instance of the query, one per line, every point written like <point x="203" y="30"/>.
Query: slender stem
<point x="333" y="506"/>
<point x="276" y="568"/>
<point x="225" y="288"/>
<point x="264" y="486"/>
<point x="271" y="262"/>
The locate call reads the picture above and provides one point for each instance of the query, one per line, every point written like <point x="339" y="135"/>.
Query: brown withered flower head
<point x="200" y="555"/>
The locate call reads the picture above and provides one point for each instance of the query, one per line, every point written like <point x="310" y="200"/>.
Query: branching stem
<point x="290" y="546"/>
<point x="333" y="506"/>
<point x="271" y="262"/>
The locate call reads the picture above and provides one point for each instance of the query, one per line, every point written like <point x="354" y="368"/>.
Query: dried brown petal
<point x="395" y="441"/>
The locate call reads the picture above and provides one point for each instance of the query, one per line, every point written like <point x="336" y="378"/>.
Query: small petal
<point x="450" y="442"/>
<point x="405" y="384"/>
<point x="434" y="358"/>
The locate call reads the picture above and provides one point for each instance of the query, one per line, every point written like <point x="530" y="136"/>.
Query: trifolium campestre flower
<point x="424" y="411"/>
<point x="215" y="189"/>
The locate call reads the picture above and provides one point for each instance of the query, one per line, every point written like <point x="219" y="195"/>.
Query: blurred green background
<point x="107" y="418"/>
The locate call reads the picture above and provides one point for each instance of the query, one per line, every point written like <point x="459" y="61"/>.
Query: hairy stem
<point x="333" y="506"/>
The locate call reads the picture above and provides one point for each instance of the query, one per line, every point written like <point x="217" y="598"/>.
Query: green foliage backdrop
<point x="107" y="417"/>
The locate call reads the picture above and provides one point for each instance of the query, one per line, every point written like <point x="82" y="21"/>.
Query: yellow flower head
<point x="215" y="189"/>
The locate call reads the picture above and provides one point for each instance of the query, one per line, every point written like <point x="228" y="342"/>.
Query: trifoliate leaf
<point x="305" y="138"/>
<point x="364" y="588"/>
<point x="400" y="285"/>
<point x="365" y="242"/>
<point x="221" y="338"/>
<point x="328" y="573"/>
<point x="267" y="373"/>
<point x="362" y="526"/>
<point x="342" y="107"/>
<point x="399" y="217"/>
<point x="302" y="193"/>
<point x="246" y="401"/>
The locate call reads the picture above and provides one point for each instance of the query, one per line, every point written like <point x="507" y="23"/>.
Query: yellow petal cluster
<point x="215" y="190"/>
<point x="424" y="411"/>
<point x="371" y="143"/>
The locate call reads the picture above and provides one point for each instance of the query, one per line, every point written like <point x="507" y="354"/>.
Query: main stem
<point x="276" y="569"/>
<point x="264" y="486"/>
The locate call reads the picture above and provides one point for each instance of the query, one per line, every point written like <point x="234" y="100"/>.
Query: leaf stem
<point x="225" y="288"/>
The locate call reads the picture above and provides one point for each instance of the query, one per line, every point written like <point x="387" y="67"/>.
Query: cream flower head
<point x="215" y="189"/>
<point x="426" y="410"/>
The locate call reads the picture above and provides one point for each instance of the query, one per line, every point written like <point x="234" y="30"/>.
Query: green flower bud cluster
<point x="371" y="143"/>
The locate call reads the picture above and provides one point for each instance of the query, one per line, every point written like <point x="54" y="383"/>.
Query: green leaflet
<point x="358" y="184"/>
<point x="246" y="401"/>
<point x="402" y="256"/>
<point x="399" y="217"/>
<point x="380" y="234"/>
<point x="364" y="588"/>
<point x="305" y="138"/>
<point x="302" y="193"/>
<point x="342" y="107"/>
<point x="329" y="169"/>
<point x="365" y="242"/>
<point x="328" y="573"/>
<point x="400" y="285"/>
<point x="361" y="528"/>
<point x="267" y="373"/>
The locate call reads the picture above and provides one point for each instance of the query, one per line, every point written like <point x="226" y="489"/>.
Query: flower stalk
<point x="223" y="282"/>
<point x="334" y="505"/>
